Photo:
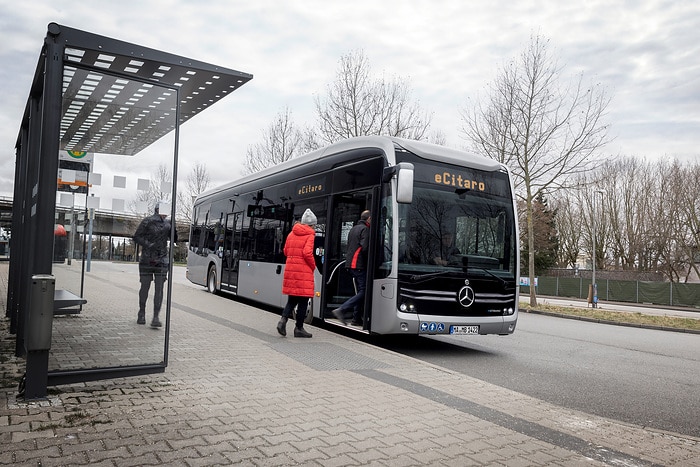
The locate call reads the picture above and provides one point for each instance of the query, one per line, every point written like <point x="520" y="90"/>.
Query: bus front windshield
<point x="456" y="230"/>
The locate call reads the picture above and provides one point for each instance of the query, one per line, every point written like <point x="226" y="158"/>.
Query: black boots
<point x="298" y="332"/>
<point x="141" y="319"/>
<point x="282" y="326"/>
<point x="301" y="332"/>
<point x="156" y="322"/>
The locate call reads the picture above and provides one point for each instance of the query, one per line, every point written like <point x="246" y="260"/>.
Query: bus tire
<point x="211" y="279"/>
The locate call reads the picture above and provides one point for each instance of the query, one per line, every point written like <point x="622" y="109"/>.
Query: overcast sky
<point x="645" y="53"/>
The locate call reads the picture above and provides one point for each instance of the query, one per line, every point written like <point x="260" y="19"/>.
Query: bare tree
<point x="634" y="212"/>
<point x="437" y="137"/>
<point x="690" y="217"/>
<point x="568" y="222"/>
<point x="545" y="130"/>
<point x="594" y="205"/>
<point x="197" y="182"/>
<point x="645" y="219"/>
<point x="358" y="104"/>
<point x="282" y="141"/>
<point x="159" y="189"/>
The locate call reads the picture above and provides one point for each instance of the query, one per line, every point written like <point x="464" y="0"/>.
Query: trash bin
<point x="40" y="319"/>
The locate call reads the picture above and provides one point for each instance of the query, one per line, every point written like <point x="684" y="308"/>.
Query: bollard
<point x="40" y="316"/>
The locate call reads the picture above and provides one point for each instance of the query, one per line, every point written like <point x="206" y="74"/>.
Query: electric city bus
<point x="443" y="253"/>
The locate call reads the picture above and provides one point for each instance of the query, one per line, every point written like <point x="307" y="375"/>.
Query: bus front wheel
<point x="211" y="280"/>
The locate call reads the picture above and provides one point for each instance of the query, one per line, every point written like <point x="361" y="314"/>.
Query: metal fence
<point x="656" y="293"/>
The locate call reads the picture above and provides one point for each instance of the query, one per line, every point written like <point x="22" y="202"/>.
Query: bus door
<point x="344" y="213"/>
<point x="231" y="251"/>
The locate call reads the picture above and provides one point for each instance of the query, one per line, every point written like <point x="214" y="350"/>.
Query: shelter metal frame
<point x="102" y="95"/>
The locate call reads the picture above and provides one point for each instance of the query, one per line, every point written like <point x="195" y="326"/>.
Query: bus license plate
<point x="464" y="329"/>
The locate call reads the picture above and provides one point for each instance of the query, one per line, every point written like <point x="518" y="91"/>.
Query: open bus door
<point x="231" y="251"/>
<point x="338" y="284"/>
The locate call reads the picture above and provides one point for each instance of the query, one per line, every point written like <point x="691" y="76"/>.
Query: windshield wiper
<point x="503" y="282"/>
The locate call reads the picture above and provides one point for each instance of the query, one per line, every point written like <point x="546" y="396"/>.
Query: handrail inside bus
<point x="330" y="278"/>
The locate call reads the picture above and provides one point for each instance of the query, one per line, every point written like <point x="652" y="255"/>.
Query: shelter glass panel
<point x="112" y="249"/>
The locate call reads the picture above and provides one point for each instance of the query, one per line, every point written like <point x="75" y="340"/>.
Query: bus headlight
<point x="407" y="307"/>
<point x="508" y="311"/>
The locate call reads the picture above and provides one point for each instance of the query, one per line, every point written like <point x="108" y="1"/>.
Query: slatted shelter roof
<point x="118" y="97"/>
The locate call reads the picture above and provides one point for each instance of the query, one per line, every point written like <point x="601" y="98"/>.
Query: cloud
<point x="644" y="53"/>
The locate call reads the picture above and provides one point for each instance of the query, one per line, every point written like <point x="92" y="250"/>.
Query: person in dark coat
<point x="356" y="263"/>
<point x="153" y="234"/>
<point x="298" y="281"/>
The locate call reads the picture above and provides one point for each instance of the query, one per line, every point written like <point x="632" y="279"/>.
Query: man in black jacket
<point x="153" y="234"/>
<point x="356" y="262"/>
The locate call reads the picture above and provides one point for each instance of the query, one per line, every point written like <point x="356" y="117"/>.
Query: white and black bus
<point x="425" y="200"/>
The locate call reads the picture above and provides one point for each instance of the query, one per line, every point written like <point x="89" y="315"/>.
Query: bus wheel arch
<point x="211" y="279"/>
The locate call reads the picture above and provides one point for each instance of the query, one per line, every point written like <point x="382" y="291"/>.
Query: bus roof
<point x="449" y="155"/>
<point x="386" y="144"/>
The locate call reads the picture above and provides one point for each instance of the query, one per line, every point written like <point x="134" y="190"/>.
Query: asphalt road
<point x="640" y="376"/>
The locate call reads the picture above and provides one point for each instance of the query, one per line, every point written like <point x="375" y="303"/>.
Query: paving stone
<point x="236" y="393"/>
<point x="19" y="436"/>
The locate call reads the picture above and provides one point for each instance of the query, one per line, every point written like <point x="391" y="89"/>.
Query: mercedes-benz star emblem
<point x="466" y="296"/>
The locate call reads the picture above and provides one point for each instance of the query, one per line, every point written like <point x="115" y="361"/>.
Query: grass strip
<point x="623" y="317"/>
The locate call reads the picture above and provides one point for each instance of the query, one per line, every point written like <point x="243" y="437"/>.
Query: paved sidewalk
<point x="235" y="392"/>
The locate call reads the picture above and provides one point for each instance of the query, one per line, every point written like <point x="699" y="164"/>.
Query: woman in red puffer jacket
<point x="298" y="281"/>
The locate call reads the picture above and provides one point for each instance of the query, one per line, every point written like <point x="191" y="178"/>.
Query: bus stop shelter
<point x="100" y="95"/>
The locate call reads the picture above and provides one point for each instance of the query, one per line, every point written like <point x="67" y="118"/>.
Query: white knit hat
<point x="308" y="218"/>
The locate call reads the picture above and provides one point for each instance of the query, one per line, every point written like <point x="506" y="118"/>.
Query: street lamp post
<point x="594" y="301"/>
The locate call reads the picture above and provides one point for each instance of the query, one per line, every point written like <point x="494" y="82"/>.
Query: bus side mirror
<point x="404" y="183"/>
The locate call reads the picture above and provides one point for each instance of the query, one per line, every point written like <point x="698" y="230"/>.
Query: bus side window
<point x="201" y="231"/>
